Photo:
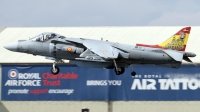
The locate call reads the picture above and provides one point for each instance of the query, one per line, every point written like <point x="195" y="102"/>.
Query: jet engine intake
<point x="73" y="49"/>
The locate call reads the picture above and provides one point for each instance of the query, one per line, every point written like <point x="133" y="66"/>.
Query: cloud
<point x="177" y="19"/>
<point x="78" y="12"/>
<point x="47" y="13"/>
<point x="183" y="13"/>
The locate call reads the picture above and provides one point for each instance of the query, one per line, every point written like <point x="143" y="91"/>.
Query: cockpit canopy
<point x="44" y="37"/>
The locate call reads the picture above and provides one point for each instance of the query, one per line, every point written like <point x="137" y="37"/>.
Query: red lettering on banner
<point x="68" y="75"/>
<point x="38" y="91"/>
<point x="51" y="83"/>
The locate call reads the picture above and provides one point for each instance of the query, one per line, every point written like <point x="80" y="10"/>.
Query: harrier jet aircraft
<point x="103" y="54"/>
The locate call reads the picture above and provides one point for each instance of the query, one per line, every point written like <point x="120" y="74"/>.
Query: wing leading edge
<point x="101" y="48"/>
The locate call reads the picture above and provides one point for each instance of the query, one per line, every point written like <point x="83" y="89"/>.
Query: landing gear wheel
<point x="119" y="71"/>
<point x="55" y="70"/>
<point x="133" y="73"/>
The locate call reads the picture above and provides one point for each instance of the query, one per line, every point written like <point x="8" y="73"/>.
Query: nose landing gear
<point x="55" y="70"/>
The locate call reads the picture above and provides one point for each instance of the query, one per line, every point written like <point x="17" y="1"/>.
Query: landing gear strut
<point x="55" y="70"/>
<point x="133" y="73"/>
<point x="118" y="70"/>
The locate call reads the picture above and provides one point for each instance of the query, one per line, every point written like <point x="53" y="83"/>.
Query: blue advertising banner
<point x="152" y="83"/>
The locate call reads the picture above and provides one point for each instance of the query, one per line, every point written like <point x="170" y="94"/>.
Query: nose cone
<point x="11" y="46"/>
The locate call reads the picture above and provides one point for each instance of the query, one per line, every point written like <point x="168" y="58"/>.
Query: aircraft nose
<point x="11" y="46"/>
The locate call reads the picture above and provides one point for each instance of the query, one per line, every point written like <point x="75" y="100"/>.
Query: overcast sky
<point x="47" y="13"/>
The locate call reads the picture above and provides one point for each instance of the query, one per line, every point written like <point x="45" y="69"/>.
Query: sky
<point x="65" y="13"/>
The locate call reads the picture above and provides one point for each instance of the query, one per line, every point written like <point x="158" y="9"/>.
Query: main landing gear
<point x="121" y="70"/>
<point x="118" y="70"/>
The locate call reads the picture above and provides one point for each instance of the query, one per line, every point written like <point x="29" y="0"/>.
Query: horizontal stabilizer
<point x="187" y="59"/>
<point x="177" y="56"/>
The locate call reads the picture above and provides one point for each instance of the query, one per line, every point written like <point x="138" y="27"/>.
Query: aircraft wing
<point x="100" y="48"/>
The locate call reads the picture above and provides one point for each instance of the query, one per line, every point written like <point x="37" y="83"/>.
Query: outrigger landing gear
<point x="118" y="70"/>
<point x="55" y="70"/>
<point x="133" y="73"/>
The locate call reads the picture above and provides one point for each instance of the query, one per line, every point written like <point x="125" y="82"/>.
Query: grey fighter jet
<point x="103" y="54"/>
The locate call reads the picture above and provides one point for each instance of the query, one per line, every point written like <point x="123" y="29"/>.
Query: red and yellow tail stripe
<point x="177" y="41"/>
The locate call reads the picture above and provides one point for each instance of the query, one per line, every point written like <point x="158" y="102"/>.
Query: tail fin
<point x="177" y="41"/>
